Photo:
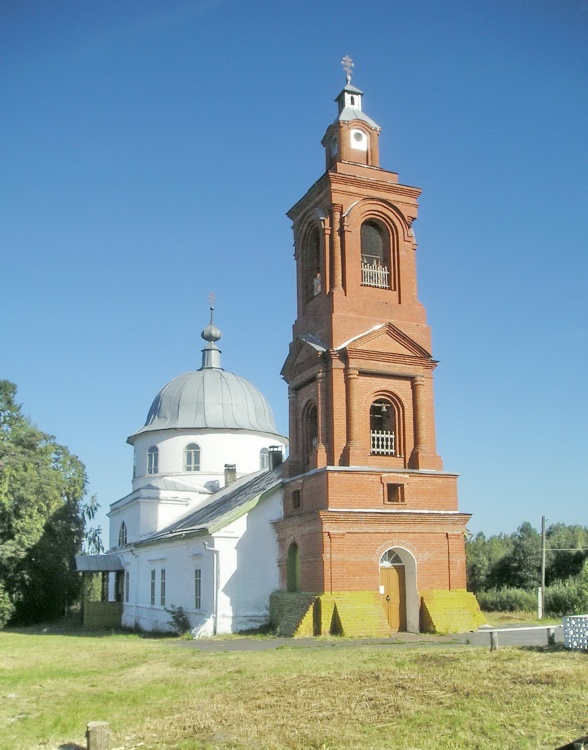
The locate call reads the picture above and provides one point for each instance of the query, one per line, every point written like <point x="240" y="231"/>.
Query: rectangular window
<point x="296" y="499"/>
<point x="153" y="574"/>
<point x="198" y="588"/>
<point x="127" y="581"/>
<point x="162" y="588"/>
<point x="394" y="493"/>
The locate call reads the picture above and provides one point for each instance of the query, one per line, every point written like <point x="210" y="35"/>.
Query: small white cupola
<point x="350" y="97"/>
<point x="353" y="137"/>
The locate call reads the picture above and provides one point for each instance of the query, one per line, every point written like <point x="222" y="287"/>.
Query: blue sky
<point x="149" y="152"/>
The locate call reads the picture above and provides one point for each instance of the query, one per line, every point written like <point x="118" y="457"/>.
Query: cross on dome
<point x="347" y="64"/>
<point x="211" y="334"/>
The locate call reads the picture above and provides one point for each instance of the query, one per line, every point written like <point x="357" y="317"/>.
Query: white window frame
<point x="191" y="450"/>
<point x="198" y="588"/>
<point x="264" y="459"/>
<point x="122" y="534"/>
<point x="162" y="587"/>
<point x="153" y="579"/>
<point x="153" y="460"/>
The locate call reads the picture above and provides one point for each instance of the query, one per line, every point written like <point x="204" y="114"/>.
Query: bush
<point x="569" y="597"/>
<point x="180" y="621"/>
<point x="507" y="600"/>
<point x="6" y="607"/>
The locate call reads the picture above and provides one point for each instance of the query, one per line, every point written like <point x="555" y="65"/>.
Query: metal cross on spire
<point x="211" y="302"/>
<point x="348" y="64"/>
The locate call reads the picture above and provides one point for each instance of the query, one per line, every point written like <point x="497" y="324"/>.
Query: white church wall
<point x="144" y="515"/>
<point x="241" y="559"/>
<point x="216" y="449"/>
<point x="130" y="513"/>
<point x="257" y="562"/>
<point x="145" y="609"/>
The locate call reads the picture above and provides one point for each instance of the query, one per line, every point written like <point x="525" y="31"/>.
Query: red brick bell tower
<point x="371" y="524"/>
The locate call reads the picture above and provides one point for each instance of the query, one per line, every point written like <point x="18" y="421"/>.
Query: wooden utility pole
<point x="542" y="607"/>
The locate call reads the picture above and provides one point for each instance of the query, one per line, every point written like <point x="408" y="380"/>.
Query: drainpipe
<point x="215" y="577"/>
<point x="137" y="579"/>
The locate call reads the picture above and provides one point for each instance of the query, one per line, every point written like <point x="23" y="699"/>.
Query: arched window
<point x="312" y="264"/>
<point x="153" y="460"/>
<point x="122" y="535"/>
<point x="390" y="558"/>
<point x="264" y="458"/>
<point x="383" y="428"/>
<point x="192" y="457"/>
<point x="375" y="255"/>
<point x="293" y="568"/>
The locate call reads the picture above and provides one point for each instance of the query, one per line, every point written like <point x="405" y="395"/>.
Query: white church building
<point x="359" y="532"/>
<point x="196" y="530"/>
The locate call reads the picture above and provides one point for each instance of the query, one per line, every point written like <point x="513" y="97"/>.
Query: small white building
<point x="196" y="531"/>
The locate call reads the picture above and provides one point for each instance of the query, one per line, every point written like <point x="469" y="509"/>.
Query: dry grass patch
<point x="166" y="695"/>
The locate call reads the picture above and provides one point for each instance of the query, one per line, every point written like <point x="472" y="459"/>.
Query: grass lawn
<point x="158" y="693"/>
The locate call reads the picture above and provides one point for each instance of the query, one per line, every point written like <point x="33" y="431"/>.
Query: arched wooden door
<point x="393" y="590"/>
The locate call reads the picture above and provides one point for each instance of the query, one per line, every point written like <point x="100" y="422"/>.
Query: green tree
<point x="483" y="558"/>
<point x="522" y="567"/>
<point x="42" y="518"/>
<point x="567" y="551"/>
<point x="514" y="560"/>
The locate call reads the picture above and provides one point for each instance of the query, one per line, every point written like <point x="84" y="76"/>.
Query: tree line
<point x="504" y="570"/>
<point x="44" y="519"/>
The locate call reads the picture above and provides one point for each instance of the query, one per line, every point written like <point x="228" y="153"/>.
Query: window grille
<point x="153" y="574"/>
<point x="390" y="558"/>
<point x="127" y="583"/>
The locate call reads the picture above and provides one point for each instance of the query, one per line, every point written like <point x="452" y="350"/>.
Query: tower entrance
<point x="393" y="590"/>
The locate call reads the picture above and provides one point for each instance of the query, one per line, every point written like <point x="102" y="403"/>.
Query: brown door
<point x="394" y="596"/>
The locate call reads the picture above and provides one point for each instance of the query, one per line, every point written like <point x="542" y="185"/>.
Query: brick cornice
<point x="387" y="358"/>
<point x="371" y="185"/>
<point x="359" y="186"/>
<point x="359" y="520"/>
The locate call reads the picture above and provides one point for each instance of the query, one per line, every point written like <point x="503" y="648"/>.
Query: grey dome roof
<point x="210" y="398"/>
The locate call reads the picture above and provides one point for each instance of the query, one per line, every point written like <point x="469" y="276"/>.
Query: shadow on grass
<point x="75" y="630"/>
<point x="556" y="648"/>
<point x="72" y="746"/>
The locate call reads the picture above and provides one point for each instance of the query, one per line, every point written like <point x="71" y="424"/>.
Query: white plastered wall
<point x="244" y="564"/>
<point x="216" y="449"/>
